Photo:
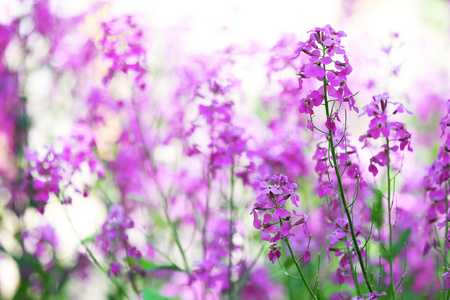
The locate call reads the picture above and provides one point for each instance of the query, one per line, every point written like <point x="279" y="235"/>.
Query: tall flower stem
<point x="208" y="196"/>
<point x="341" y="190"/>
<point x="355" y="278"/>
<point x="131" y="275"/>
<point x="388" y="166"/>
<point x="230" y="245"/>
<point x="308" y="287"/>
<point x="152" y="175"/>
<point x="446" y="238"/>
<point x="118" y="285"/>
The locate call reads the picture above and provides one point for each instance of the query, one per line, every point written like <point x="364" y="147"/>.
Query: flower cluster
<point x="373" y="296"/>
<point x="212" y="271"/>
<point x="329" y="64"/>
<point x="41" y="242"/>
<point x="435" y="182"/>
<point x="439" y="171"/>
<point x="348" y="166"/>
<point x="395" y="133"/>
<point x="113" y="238"/>
<point x="122" y="43"/>
<point x="282" y="152"/>
<point x="54" y="171"/>
<point x="229" y="141"/>
<point x="277" y="221"/>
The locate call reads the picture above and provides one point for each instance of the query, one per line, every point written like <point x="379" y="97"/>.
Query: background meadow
<point x="136" y="137"/>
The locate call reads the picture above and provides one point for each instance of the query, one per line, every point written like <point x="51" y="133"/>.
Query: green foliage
<point x="377" y="212"/>
<point x="401" y="243"/>
<point x="150" y="294"/>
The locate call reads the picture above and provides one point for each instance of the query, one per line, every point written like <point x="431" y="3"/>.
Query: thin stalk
<point x="208" y="196"/>
<point x="246" y="275"/>
<point x="159" y="188"/>
<point x="131" y="276"/>
<point x="388" y="166"/>
<point x="441" y="245"/>
<point x="176" y="238"/>
<point x="379" y="266"/>
<point x="230" y="245"/>
<point x="119" y="287"/>
<point x="341" y="191"/>
<point x="316" y="283"/>
<point x="446" y="233"/>
<point x="300" y="270"/>
<point x="297" y="265"/>
<point x="355" y="278"/>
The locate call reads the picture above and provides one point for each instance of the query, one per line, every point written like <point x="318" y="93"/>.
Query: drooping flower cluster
<point x="348" y="166"/>
<point x="227" y="142"/>
<point x="446" y="278"/>
<point x="122" y="43"/>
<point x="397" y="134"/>
<point x="113" y="239"/>
<point x="41" y="242"/>
<point x="435" y="182"/>
<point x="353" y="185"/>
<point x="439" y="171"/>
<point x="328" y="63"/>
<point x="373" y="296"/>
<point x="277" y="221"/>
<point x="213" y="270"/>
<point x="283" y="151"/>
<point x="53" y="171"/>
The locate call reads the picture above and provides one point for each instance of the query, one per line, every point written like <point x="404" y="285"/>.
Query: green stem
<point x="131" y="276"/>
<point x="230" y="245"/>
<point x="177" y="239"/>
<point x="246" y="275"/>
<point x="388" y="166"/>
<point x="355" y="279"/>
<point x="341" y="191"/>
<point x="119" y="287"/>
<point x="446" y="236"/>
<point x="297" y="266"/>
<point x="159" y="188"/>
<point x="300" y="270"/>
<point x="441" y="249"/>
<point x="208" y="196"/>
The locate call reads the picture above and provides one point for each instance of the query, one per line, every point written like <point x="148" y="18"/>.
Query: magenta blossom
<point x="373" y="296"/>
<point x="277" y="225"/>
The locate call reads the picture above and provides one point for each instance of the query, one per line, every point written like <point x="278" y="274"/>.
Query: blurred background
<point x="399" y="46"/>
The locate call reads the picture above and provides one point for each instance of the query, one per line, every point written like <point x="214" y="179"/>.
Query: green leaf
<point x="402" y="241"/>
<point x="150" y="294"/>
<point x="132" y="261"/>
<point x="147" y="265"/>
<point x="151" y="266"/>
<point x="377" y="212"/>
<point x="89" y="239"/>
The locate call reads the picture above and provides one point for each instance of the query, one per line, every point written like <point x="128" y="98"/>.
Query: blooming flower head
<point x="373" y="296"/>
<point x="382" y="110"/>
<point x="50" y="173"/>
<point x="278" y="221"/>
<point x="446" y="277"/>
<point x="327" y="63"/>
